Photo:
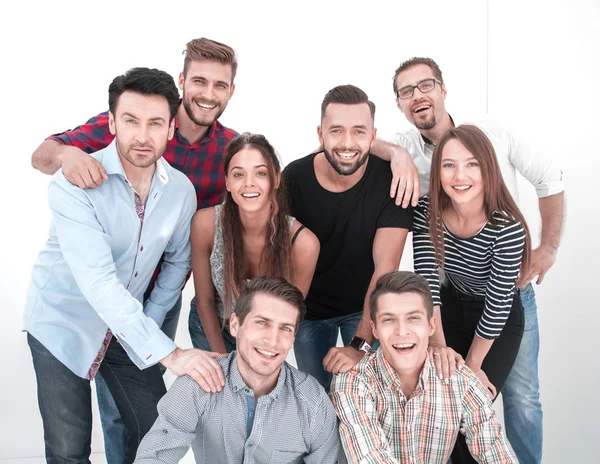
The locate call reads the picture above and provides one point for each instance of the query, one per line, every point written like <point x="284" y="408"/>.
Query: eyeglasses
<point x="426" y="85"/>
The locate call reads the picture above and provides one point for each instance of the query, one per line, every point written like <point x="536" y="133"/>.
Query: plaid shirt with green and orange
<point x="378" y="424"/>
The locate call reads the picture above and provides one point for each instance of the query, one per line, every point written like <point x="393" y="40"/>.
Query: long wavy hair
<point x="276" y="256"/>
<point x="497" y="198"/>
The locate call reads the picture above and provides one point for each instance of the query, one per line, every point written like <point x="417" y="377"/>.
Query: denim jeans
<point x="316" y="337"/>
<point x="520" y="396"/>
<point x="65" y="402"/>
<point x="198" y="335"/>
<point x="113" y="429"/>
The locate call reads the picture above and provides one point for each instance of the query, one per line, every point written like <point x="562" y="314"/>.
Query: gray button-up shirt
<point x="294" y="423"/>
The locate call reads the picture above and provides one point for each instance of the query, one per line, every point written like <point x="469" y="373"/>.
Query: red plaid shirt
<point x="201" y="161"/>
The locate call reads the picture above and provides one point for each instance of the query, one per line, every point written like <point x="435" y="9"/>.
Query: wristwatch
<point x="360" y="344"/>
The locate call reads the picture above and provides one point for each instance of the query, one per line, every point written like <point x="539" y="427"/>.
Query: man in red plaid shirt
<point x="394" y="408"/>
<point x="196" y="149"/>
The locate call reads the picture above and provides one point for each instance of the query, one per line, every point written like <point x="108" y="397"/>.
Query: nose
<point x="208" y="91"/>
<point x="249" y="180"/>
<point x="142" y="133"/>
<point x="348" y="141"/>
<point x="459" y="173"/>
<point x="402" y="328"/>
<point x="271" y="337"/>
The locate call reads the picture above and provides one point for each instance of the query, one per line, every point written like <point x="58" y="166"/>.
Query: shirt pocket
<point x="286" y="457"/>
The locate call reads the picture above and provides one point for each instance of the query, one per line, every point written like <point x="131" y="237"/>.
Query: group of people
<point x="157" y="186"/>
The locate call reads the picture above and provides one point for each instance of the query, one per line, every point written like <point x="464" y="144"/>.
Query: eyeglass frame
<point x="413" y="87"/>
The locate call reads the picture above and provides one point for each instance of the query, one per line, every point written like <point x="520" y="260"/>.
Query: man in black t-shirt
<point x="342" y="195"/>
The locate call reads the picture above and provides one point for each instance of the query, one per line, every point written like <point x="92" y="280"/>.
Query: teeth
<point x="404" y="345"/>
<point x="266" y="353"/>
<point x="250" y="195"/>
<point x="345" y="154"/>
<point x="205" y="106"/>
<point x="422" y="107"/>
<point x="461" y="187"/>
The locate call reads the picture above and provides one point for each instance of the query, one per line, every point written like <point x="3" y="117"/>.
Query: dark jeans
<point x="198" y="336"/>
<point x="65" y="401"/>
<point x="460" y="316"/>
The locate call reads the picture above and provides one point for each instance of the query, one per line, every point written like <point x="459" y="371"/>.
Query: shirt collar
<point x="423" y="140"/>
<point x="238" y="384"/>
<point x="112" y="164"/>
<point x="211" y="134"/>
<point x="391" y="377"/>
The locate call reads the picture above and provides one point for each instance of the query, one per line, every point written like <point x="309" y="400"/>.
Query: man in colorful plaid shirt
<point x="196" y="149"/>
<point x="392" y="406"/>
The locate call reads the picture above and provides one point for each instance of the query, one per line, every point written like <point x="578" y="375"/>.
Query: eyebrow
<point x="414" y="311"/>
<point x="202" y="77"/>
<point x="129" y="115"/>
<point x="256" y="167"/>
<point x="452" y="159"/>
<point x="269" y="319"/>
<point x="338" y="126"/>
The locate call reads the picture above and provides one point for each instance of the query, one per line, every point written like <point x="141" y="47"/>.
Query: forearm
<point x="552" y="213"/>
<point x="478" y="351"/>
<point x="384" y="150"/>
<point x="47" y="158"/>
<point x="364" y="330"/>
<point x="212" y="325"/>
<point x="438" y="337"/>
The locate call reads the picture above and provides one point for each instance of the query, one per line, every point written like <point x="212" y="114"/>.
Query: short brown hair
<point x="277" y="287"/>
<point x="400" y="282"/>
<point x="346" y="95"/>
<point x="437" y="72"/>
<point x="211" y="50"/>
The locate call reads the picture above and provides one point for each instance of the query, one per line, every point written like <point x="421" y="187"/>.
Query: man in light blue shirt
<point x="85" y="311"/>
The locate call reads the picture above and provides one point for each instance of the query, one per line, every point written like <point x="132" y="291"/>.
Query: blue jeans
<point x="198" y="335"/>
<point x="520" y="395"/>
<point x="113" y="428"/>
<point x="66" y="407"/>
<point x="315" y="338"/>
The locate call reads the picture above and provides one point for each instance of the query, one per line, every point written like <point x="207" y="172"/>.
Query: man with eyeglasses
<point x="420" y="94"/>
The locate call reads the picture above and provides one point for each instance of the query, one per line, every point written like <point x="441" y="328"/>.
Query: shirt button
<point x="251" y="414"/>
<point x="165" y="431"/>
<point x="250" y="445"/>
<point x="136" y="274"/>
<point x="142" y="248"/>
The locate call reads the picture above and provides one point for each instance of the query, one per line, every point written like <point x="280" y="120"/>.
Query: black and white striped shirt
<point x="486" y="264"/>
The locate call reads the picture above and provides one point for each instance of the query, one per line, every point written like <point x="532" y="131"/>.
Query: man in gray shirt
<point x="268" y="411"/>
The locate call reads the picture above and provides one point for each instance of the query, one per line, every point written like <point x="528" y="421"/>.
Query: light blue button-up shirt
<point x="98" y="262"/>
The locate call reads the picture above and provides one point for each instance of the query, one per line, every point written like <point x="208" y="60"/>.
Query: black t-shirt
<point x="345" y="224"/>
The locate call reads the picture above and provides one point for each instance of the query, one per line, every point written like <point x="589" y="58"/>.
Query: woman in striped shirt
<point x="470" y="227"/>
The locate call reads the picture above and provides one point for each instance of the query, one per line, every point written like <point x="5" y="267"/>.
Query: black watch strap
<point x="360" y="344"/>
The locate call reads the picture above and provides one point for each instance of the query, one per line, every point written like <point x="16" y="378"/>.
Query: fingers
<point x="199" y="379"/>
<point x="435" y="355"/>
<point x="394" y="185"/>
<point x="401" y="190"/>
<point x="329" y="360"/>
<point x="458" y="359"/>
<point x="445" y="366"/>
<point x="540" y="277"/>
<point x="86" y="173"/>
<point x="408" y="191"/>
<point x="416" y="190"/>
<point x="492" y="390"/>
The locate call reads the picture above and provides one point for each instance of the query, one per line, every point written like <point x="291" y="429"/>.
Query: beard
<point x="343" y="168"/>
<point x="426" y="124"/>
<point x="203" y="120"/>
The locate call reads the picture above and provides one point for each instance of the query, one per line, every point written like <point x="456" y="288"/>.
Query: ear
<point x="181" y="80"/>
<point x="171" y="129"/>
<point x="234" y="325"/>
<point x="111" y="123"/>
<point x="231" y="90"/>
<point x="374" y="135"/>
<point x="320" y="135"/>
<point x="374" y="330"/>
<point x="432" y="324"/>
<point x="444" y="92"/>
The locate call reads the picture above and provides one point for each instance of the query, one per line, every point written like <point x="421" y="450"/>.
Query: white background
<point x="532" y="65"/>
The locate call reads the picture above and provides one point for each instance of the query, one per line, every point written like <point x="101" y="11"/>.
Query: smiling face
<point x="249" y="180"/>
<point x="423" y="110"/>
<point x="264" y="338"/>
<point x="460" y="174"/>
<point x="207" y="88"/>
<point x="141" y="127"/>
<point x="346" y="134"/>
<point x="403" y="328"/>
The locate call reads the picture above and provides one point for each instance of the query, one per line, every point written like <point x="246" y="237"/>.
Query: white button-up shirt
<point x="513" y="155"/>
